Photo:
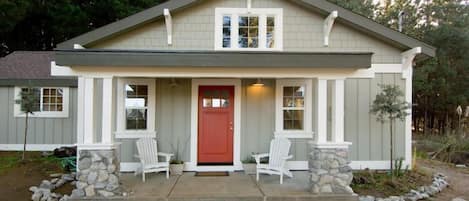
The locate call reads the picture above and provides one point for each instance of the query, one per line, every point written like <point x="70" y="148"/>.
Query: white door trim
<point x="192" y="166"/>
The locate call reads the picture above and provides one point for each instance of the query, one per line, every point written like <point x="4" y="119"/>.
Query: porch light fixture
<point x="173" y="83"/>
<point x="258" y="83"/>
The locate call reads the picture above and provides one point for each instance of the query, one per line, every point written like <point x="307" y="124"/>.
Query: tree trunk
<point x="25" y="135"/>
<point x="391" y="149"/>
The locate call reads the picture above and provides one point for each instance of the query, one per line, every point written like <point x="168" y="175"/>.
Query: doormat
<point x="212" y="174"/>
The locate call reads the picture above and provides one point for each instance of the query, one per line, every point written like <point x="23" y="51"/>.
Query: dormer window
<point x="253" y="29"/>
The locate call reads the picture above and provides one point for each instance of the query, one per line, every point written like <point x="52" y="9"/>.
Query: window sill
<point x="290" y="134"/>
<point x="44" y="115"/>
<point x="135" y="134"/>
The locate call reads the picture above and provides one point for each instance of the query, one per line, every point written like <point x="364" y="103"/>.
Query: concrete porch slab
<point x="236" y="187"/>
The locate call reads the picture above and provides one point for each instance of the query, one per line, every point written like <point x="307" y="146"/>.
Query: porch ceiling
<point x="152" y="58"/>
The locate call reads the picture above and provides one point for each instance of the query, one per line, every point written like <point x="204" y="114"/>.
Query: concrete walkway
<point x="235" y="187"/>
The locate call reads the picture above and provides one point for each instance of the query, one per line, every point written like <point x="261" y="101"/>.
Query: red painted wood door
<point x="215" y="124"/>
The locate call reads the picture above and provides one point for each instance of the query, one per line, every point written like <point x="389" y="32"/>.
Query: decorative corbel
<point x="328" y="23"/>
<point x="249" y="5"/>
<point x="408" y="60"/>
<point x="169" y="25"/>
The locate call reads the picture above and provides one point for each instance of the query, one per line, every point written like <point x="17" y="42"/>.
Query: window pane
<point x="136" y="96"/>
<point x="293" y="119"/>
<point x="136" y="119"/>
<point x="253" y="42"/>
<point x="207" y="102"/>
<point x="253" y="21"/>
<point x="226" y="21"/>
<point x="270" y="21"/>
<point x="216" y="102"/>
<point x="226" y="42"/>
<point x="248" y="32"/>
<point x="226" y="32"/>
<point x="293" y="96"/>
<point x="243" y="42"/>
<point x="243" y="21"/>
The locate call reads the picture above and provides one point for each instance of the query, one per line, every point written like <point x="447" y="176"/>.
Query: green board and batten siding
<point x="40" y="130"/>
<point x="302" y="31"/>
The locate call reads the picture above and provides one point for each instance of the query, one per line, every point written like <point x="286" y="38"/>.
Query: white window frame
<point x="121" y="131"/>
<point x="262" y="13"/>
<point x="307" y="131"/>
<point x="43" y="114"/>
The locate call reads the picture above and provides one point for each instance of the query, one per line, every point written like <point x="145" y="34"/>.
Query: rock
<point x="84" y="163"/>
<point x="314" y="177"/>
<point x="92" y="177"/>
<point x="89" y="191"/>
<point x="102" y="175"/>
<point x="68" y="177"/>
<point x="46" y="184"/>
<point x="111" y="168"/>
<point x="36" y="196"/>
<point x="60" y="183"/>
<point x="113" y="179"/>
<point x="33" y="189"/>
<point x="102" y="166"/>
<point x="461" y="166"/>
<point x="458" y="199"/>
<point x="100" y="185"/>
<point x="325" y="179"/>
<point x="112" y="187"/>
<point x="81" y="185"/>
<point x="77" y="193"/>
<point x="54" y="180"/>
<point x="95" y="157"/>
<point x="367" y="198"/>
<point x="326" y="189"/>
<point x="105" y="193"/>
<point x="64" y="198"/>
<point x="54" y="175"/>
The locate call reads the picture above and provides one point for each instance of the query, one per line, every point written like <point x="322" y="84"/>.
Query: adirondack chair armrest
<point x="288" y="157"/>
<point x="258" y="157"/>
<point x="166" y="155"/>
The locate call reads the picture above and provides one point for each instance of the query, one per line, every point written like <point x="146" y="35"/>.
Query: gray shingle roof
<point x="22" y="67"/>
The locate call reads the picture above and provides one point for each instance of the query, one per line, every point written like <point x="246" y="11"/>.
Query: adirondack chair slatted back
<point x="148" y="150"/>
<point x="279" y="148"/>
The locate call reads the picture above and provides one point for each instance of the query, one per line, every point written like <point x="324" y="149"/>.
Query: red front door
<point x="215" y="140"/>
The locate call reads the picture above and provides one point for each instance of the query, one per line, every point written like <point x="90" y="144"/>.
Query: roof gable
<point x="355" y="21"/>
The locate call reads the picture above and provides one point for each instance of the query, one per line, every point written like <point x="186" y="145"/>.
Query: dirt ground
<point x="16" y="180"/>
<point x="458" y="179"/>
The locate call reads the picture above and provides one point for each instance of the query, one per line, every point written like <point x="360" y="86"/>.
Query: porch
<point x="237" y="186"/>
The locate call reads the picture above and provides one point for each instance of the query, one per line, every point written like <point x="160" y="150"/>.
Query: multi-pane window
<point x="136" y="106"/>
<point x="293" y="107"/>
<point x="254" y="29"/>
<point x="248" y="32"/>
<point x="48" y="99"/>
<point x="49" y="102"/>
<point x="216" y="99"/>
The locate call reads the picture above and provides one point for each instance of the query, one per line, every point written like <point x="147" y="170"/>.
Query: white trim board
<point x="217" y="72"/>
<point x="237" y="118"/>
<point x="32" y="147"/>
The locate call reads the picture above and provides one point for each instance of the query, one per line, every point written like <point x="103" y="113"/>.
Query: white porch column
<point x="321" y="110"/>
<point x="106" y="132"/>
<point x="88" y="111"/>
<point x="80" y="109"/>
<point x="337" y="129"/>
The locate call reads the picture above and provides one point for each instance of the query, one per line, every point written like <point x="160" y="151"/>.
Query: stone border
<point x="439" y="183"/>
<point x="44" y="191"/>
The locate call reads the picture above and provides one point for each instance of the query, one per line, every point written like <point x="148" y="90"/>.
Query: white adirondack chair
<point x="278" y="156"/>
<point x="148" y="155"/>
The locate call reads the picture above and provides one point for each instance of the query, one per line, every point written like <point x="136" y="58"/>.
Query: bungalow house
<point x="215" y="81"/>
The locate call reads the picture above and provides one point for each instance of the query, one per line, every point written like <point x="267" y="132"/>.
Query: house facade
<point x="214" y="81"/>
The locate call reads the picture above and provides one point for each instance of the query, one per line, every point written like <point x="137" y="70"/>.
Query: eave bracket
<point x="169" y="25"/>
<point x="328" y="23"/>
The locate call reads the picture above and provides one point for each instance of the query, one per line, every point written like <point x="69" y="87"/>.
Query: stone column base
<point x="98" y="174"/>
<point x="330" y="170"/>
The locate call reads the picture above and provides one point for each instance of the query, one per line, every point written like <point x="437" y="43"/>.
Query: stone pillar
<point x="98" y="174"/>
<point x="330" y="170"/>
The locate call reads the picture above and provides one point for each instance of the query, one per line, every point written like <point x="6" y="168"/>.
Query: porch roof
<point x="155" y="58"/>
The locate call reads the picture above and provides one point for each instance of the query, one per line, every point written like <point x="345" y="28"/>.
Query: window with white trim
<point x="136" y="108"/>
<point x="254" y="29"/>
<point x="51" y="101"/>
<point x="293" y="108"/>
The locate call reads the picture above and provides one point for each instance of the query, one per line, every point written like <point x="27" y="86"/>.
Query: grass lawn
<point x="379" y="183"/>
<point x="17" y="176"/>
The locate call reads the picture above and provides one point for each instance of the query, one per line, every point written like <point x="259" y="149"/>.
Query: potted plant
<point x="249" y="164"/>
<point x="176" y="165"/>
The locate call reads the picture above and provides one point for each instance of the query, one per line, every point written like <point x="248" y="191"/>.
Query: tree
<point x="29" y="103"/>
<point x="389" y="106"/>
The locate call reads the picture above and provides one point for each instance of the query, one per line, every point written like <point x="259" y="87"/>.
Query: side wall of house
<point x="194" y="29"/>
<point x="46" y="132"/>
